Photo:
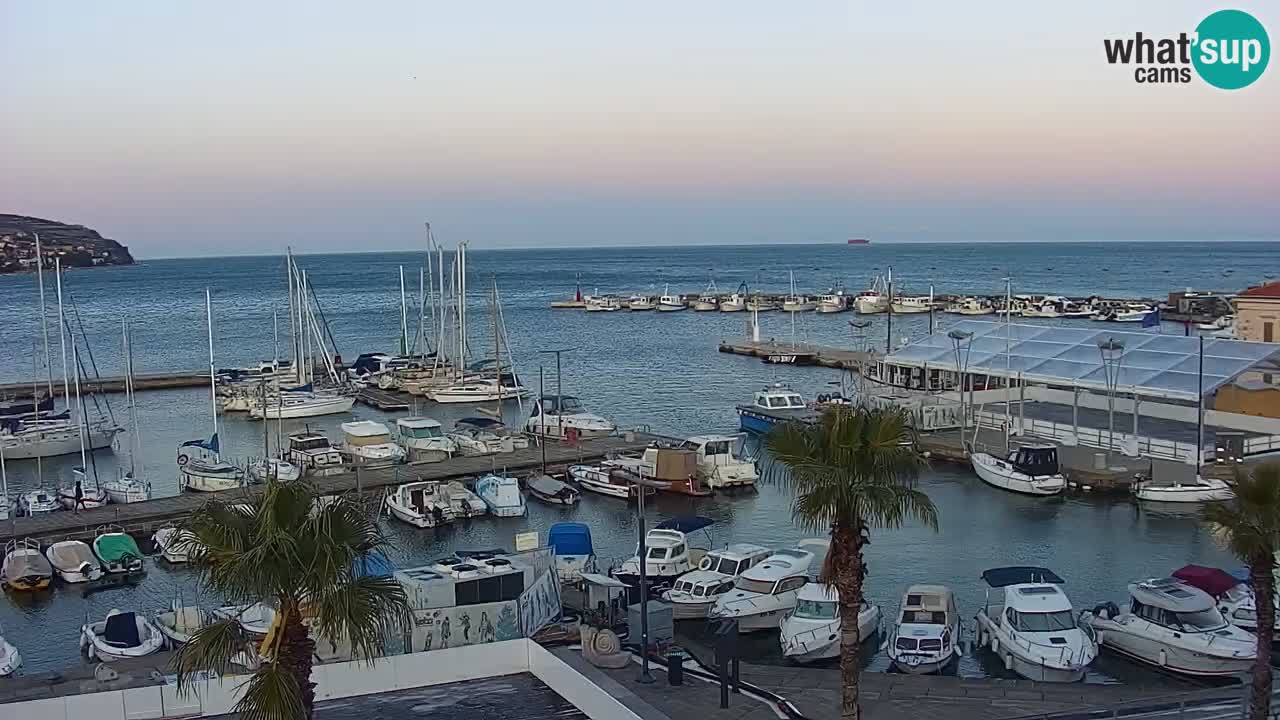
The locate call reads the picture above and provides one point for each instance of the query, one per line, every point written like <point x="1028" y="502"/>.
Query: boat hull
<point x="906" y="663"/>
<point x="1182" y="493"/>
<point x="986" y="468"/>
<point x="52" y="443"/>
<point x="690" y="610"/>
<point x="205" y="483"/>
<point x="313" y="408"/>
<point x="414" y="518"/>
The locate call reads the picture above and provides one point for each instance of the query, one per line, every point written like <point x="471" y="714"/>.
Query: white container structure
<point x="1032" y="628"/>
<point x="811" y="632"/>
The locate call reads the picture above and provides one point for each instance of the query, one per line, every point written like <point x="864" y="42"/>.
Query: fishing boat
<point x="811" y="632"/>
<point x="736" y="301"/>
<point x="74" y="561"/>
<point x="1176" y="627"/>
<point x="1032" y="627"/>
<point x="563" y="416"/>
<point x="970" y="306"/>
<point x="255" y="618"/>
<point x="570" y="543"/>
<point x="771" y="405"/>
<point x="794" y="301"/>
<point x="25" y="568"/>
<point x="1047" y="307"/>
<point x="912" y="304"/>
<point x="926" y="637"/>
<point x="117" y="551"/>
<point x="37" y="502"/>
<point x="603" y="303"/>
<point x="369" y="445"/>
<point x="122" y="634"/>
<point x="1030" y="470"/>
<point x="668" y="553"/>
<point x="424" y="504"/>
<point x="1234" y="597"/>
<point x="463" y="502"/>
<point x="709" y="300"/>
<point x="639" y="303"/>
<point x="476" y="391"/>
<point x="423" y="440"/>
<point x="552" y="491"/>
<point x="668" y="302"/>
<point x="314" y="455"/>
<point x="763" y="594"/>
<point x="718" y="465"/>
<point x="1201" y="491"/>
<point x="174" y="543"/>
<point x="270" y="468"/>
<point x="10" y="658"/>
<point x="873" y="300"/>
<point x="502" y="494"/>
<point x="693" y="593"/>
<point x="604" y="481"/>
<point x="762" y="303"/>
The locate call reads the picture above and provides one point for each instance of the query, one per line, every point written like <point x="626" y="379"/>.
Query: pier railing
<point x="1093" y="437"/>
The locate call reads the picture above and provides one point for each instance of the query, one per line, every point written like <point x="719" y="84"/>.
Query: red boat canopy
<point x="1211" y="580"/>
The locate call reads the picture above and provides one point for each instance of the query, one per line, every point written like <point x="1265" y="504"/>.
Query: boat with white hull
<point x="119" y="636"/>
<point x="1030" y="470"/>
<point x="369" y="445"/>
<point x="571" y="545"/>
<point x="478" y="391"/>
<point x="37" y="502"/>
<point x="735" y="302"/>
<point x="270" y="468"/>
<point x="255" y="619"/>
<point x="208" y="474"/>
<point x="926" y="637"/>
<point x="718" y="465"/>
<point x="173" y="543"/>
<point x="811" y="632"/>
<point x="315" y="455"/>
<point x="126" y="488"/>
<point x="294" y="405"/>
<point x="670" y="303"/>
<point x="1032" y="627"/>
<point x="463" y="502"/>
<point x="424" y="504"/>
<point x="10" y="658"/>
<point x="693" y="593"/>
<point x="74" y="561"/>
<point x="763" y="594"/>
<point x="1201" y="491"/>
<point x="1233" y="595"/>
<point x="638" y="303"/>
<point x="668" y="554"/>
<point x="602" y="480"/>
<point x="423" y="440"/>
<point x="49" y="438"/>
<point x="502" y="494"/>
<point x="559" y="416"/>
<point x="912" y="305"/>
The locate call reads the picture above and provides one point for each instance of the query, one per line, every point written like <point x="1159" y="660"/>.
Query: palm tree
<point x="851" y="471"/>
<point x="305" y="556"/>
<point x="1250" y="527"/>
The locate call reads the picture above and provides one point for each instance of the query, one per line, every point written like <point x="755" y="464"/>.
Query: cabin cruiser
<point x="926" y="637"/>
<point x="832" y="301"/>
<point x="670" y="303"/>
<point x="1033" y="628"/>
<point x="718" y="466"/>
<point x="765" y="592"/>
<point x="463" y="502"/>
<point x="667" y="553"/>
<point x="604" y="480"/>
<point x="1072" y="309"/>
<point x="424" y="504"/>
<point x="811" y="632"/>
<point x="1048" y="307"/>
<point x="173" y="543"/>
<point x="423" y="440"/>
<point x="369" y="445"/>
<point x="798" y="303"/>
<point x="570" y="542"/>
<point x="707" y="302"/>
<point x="37" y="502"/>
<point x="735" y="302"/>
<point x="694" y="592"/>
<point x="73" y="561"/>
<point x="117" y="551"/>
<point x="1203" y="490"/>
<point x="762" y="303"/>
<point x="1233" y="595"/>
<point x="970" y="306"/>
<point x="559" y="416"/>
<point x="119" y="636"/>
<point x="270" y="468"/>
<point x="25" y="568"/>
<point x="10" y="658"/>
<point x="552" y="491"/>
<point x="1173" y="626"/>
<point x="912" y="304"/>
<point x="1030" y="470"/>
<point x="638" y="303"/>
<point x="502" y="494"/>
<point x="771" y="405"/>
<point x="314" y="455"/>
<point x="476" y="391"/>
<point x="603" y="303"/>
<point x="207" y="473"/>
<point x="485" y="436"/>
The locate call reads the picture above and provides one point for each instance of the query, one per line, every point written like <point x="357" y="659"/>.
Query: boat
<point x="91" y="497"/>
<point x="670" y="303"/>
<point x="637" y="303"/>
<point x="423" y="440"/>
<point x="1030" y="470"/>
<point x="1129" y="312"/>
<point x="570" y="543"/>
<point x="603" y="303"/>
<point x="771" y="405"/>
<point x="718" y="465"/>
<point x="858" y="241"/>
<point x="129" y="486"/>
<point x="424" y="504"/>
<point x="604" y="481"/>
<point x="173" y="543"/>
<point x="1072" y="309"/>
<point x="736" y="301"/>
<point x="485" y="436"/>
<point x="304" y="403"/>
<point x="926" y="637"/>
<point x="126" y="488"/>
<point x="693" y="593"/>
<point x="502" y="494"/>
<point x="709" y="300"/>
<point x="11" y="408"/>
<point x="117" y="551"/>
<point x="795" y="302"/>
<point x="476" y="391"/>
<point x="37" y="502"/>
<point x="121" y="635"/>
<point x="25" y="568"/>
<point x="255" y="619"/>
<point x="314" y="455"/>
<point x="207" y="474"/>
<point x="41" y="438"/>
<point x="970" y="306"/>
<point x="670" y="469"/>
<point x="270" y="468"/>
<point x="763" y="594"/>
<point x="1203" y="490"/>
<point x="463" y="502"/>
<point x="552" y="491"/>
<point x="761" y="303"/>
<point x="873" y="300"/>
<point x="179" y="623"/>
<point x="811" y="632"/>
<point x="1234" y="597"/>
<point x="564" y="416"/>
<point x="1176" y="627"/>
<point x="10" y="658"/>
<point x="74" y="561"/>
<point x="1047" y="307"/>
<point x="369" y="445"/>
<point x="1032" y="628"/>
<point x="668" y="554"/>
<point x="912" y="304"/>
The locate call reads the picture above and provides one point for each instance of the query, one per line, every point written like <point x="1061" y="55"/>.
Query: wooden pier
<point x="143" y="518"/>
<point x="156" y="381"/>
<point x="384" y="400"/>
<point x="825" y="356"/>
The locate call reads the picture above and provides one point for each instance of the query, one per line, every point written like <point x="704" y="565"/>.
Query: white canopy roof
<point x="1151" y="364"/>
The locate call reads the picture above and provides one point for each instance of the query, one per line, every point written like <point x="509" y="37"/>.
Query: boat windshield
<point x="1045" y="622"/>
<point x="764" y="587"/>
<point x="565" y="406"/>
<point x="716" y="447"/>
<point x="422" y="432"/>
<point x="795" y="401"/>
<point x="815" y="610"/>
<point x="1203" y="621"/>
<point x="727" y="566"/>
<point x="317" y="443"/>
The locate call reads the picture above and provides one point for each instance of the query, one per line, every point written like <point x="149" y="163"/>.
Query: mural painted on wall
<point x="447" y="627"/>
<point x="540" y="603"/>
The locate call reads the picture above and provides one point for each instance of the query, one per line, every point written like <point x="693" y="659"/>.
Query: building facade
<point x="1258" y="313"/>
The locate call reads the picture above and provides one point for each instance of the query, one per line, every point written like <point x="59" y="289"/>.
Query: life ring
<point x="183" y="459"/>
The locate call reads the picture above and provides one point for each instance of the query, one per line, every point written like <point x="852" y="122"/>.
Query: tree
<point x="851" y="471"/>
<point x="305" y="555"/>
<point x="1250" y="526"/>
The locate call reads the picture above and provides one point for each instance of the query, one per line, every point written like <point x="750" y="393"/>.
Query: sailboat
<point x="199" y="466"/>
<point x="482" y="389"/>
<point x="128" y="487"/>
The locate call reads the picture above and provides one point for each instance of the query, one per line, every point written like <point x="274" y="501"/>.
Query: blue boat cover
<point x="374" y="564"/>
<point x="570" y="538"/>
<point x="686" y="525"/>
<point x="1020" y="574"/>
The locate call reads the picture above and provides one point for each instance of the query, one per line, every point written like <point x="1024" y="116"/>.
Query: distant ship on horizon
<point x="859" y="241"/>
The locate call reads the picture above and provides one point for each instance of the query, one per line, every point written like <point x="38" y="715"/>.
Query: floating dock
<point x="384" y="400"/>
<point x="822" y="355"/>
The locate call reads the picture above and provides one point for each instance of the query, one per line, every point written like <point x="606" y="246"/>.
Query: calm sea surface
<point x="659" y="370"/>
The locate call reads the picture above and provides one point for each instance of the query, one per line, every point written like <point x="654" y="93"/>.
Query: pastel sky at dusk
<point x="237" y="127"/>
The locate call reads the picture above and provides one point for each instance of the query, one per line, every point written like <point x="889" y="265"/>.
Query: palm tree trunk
<point x="1263" y="583"/>
<point x="846" y="561"/>
<point x="296" y="653"/>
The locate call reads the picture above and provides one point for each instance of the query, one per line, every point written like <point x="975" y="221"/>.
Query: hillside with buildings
<point x="75" y="245"/>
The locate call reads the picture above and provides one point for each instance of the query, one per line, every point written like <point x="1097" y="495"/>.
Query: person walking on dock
<point x="79" y="498"/>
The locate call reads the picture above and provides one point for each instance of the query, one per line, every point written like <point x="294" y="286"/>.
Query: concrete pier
<point x="822" y="355"/>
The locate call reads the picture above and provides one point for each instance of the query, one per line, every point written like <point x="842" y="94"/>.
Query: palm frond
<point x="210" y="649"/>
<point x="1249" y="525"/>
<point x="271" y="693"/>
<point x="361" y="610"/>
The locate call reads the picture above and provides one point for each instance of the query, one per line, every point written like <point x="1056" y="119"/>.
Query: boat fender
<point x="995" y="643"/>
<point x="1163" y="659"/>
<point x="1008" y="661"/>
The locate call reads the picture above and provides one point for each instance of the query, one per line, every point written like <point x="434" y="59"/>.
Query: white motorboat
<point x="834" y="301"/>
<point x="502" y="494"/>
<point x="477" y="391"/>
<point x="552" y="491"/>
<point x="369" y="444"/>
<point x="73" y="561"/>
<point x="765" y="592"/>
<point x="561" y="416"/>
<point x="126" y="488"/>
<point x="637" y="303"/>
<point x="668" y="554"/>
<point x="270" y="468"/>
<point x="1203" y="490"/>
<point x="313" y="454"/>
<point x="424" y="504"/>
<point x="970" y="306"/>
<point x="1072" y="309"/>
<point x="694" y="592"/>
<point x="1032" y="628"/>
<point x="202" y="473"/>
<point x="603" y="303"/>
<point x="762" y="303"/>
<point x="1233" y="595"/>
<point x="570" y="543"/>
<point x="707" y="302"/>
<point x="256" y="619"/>
<point x="179" y="623"/>
<point x="926" y="637"/>
<point x="668" y="302"/>
<point x="874" y="300"/>
<point x="117" y="551"/>
<point x="294" y="404"/>
<point x="811" y="632"/>
<point x="1176" y="627"/>
<point x="37" y="502"/>
<point x="1049" y="307"/>
<point x="423" y="439"/>
<point x="25" y="568"/>
<point x="10" y="658"/>
<point x="735" y="302"/>
<point x="1133" y="313"/>
<point x="120" y="635"/>
<point x="771" y="405"/>
<point x="173" y="543"/>
<point x="1030" y="470"/>
<point x="795" y="302"/>
<point x="485" y="436"/>
<point x="51" y="437"/>
<point x="718" y="466"/>
<point x="912" y="304"/>
<point x="463" y="502"/>
<point x="602" y="480"/>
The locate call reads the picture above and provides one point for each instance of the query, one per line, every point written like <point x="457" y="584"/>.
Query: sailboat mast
<point x="275" y="340"/>
<point x="1008" y="331"/>
<point x="421" y="342"/>
<point x="213" y="377"/>
<point x="440" y="272"/>
<point x="44" y="324"/>
<point x="135" y="441"/>
<point x="404" y="318"/>
<point x="293" y="333"/>
<point x="304" y="311"/>
<point x="81" y="425"/>
<point x="497" y="344"/>
<point x="62" y="335"/>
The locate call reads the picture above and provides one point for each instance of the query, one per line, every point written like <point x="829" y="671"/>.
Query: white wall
<point x="572" y="686"/>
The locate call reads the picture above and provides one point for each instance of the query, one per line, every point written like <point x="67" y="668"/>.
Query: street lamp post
<point x="559" y="397"/>
<point x="645" y="676"/>
<point x="958" y="338"/>
<point x="1112" y="352"/>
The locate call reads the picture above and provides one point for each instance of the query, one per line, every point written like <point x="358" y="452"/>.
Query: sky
<point x="187" y="129"/>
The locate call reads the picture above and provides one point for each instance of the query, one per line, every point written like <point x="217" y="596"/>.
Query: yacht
<point x="119" y="636"/>
<point x="502" y="494"/>
<point x="766" y="592"/>
<point x="811" y="632"/>
<point x="25" y="568"/>
<point x="478" y="391"/>
<point x="313" y="454"/>
<point x="1033" y="628"/>
<point x="173" y="543"/>
<point x="670" y="303"/>
<point x="463" y="502"/>
<point x="369" y="445"/>
<point x="10" y="658"/>
<point x="970" y="306"/>
<point x="872" y="301"/>
<point x="570" y="542"/>
<point x="423" y="440"/>
<point x="1203" y="490"/>
<point x="270" y="468"/>
<point x="771" y="405"/>
<point x="1030" y="470"/>
<point x="718" y="465"/>
<point x="561" y="416"/>
<point x="603" y="480"/>
<point x="912" y="304"/>
<point x="1233" y="595"/>
<point x="117" y="551"/>
<point x="694" y="592"/>
<point x="638" y="303"/>
<point x="485" y="436"/>
<point x="37" y="502"/>
<point x="736" y="301"/>
<point x="39" y="438"/>
<point x="1176" y="627"/>
<point x="424" y="504"/>
<point x="668" y="554"/>
<point x="303" y="403"/>
<point x="552" y="491"/>
<point x="926" y="637"/>
<point x="73" y="561"/>
<point x="603" y="303"/>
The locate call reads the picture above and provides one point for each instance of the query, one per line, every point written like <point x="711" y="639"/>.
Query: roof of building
<point x="1266" y="290"/>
